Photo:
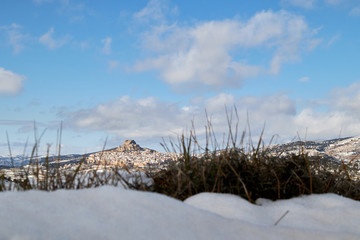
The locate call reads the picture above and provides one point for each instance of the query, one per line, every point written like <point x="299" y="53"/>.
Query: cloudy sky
<point x="145" y="70"/>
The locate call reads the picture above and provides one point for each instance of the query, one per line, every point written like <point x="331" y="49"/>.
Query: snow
<point x="116" y="213"/>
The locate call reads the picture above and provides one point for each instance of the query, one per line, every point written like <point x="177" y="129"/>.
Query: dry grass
<point x="250" y="172"/>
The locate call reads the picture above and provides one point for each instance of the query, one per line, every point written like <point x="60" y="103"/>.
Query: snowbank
<point x="115" y="213"/>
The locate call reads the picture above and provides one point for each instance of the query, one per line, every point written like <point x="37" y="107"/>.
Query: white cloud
<point x="149" y="118"/>
<point x="307" y="4"/>
<point x="304" y="79"/>
<point x="42" y="1"/>
<point x="355" y="12"/>
<point x="141" y="118"/>
<point x="14" y="36"/>
<point x="347" y="99"/>
<point x="152" y="10"/>
<point x="203" y="55"/>
<point x="52" y="43"/>
<point x="73" y="10"/>
<point x="155" y="10"/>
<point x="310" y="4"/>
<point x="333" y="2"/>
<point x="113" y="64"/>
<point x="10" y="82"/>
<point x="341" y="117"/>
<point x="334" y="39"/>
<point x="75" y="19"/>
<point x="107" y="45"/>
<point x="218" y="102"/>
<point x="83" y="45"/>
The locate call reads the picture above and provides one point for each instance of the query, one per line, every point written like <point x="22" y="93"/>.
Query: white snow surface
<point x="115" y="213"/>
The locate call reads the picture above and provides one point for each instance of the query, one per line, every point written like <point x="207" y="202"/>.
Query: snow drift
<point x="115" y="213"/>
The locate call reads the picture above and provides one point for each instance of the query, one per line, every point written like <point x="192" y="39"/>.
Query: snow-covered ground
<point x="115" y="213"/>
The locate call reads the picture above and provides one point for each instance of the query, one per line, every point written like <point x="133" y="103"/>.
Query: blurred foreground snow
<point x="114" y="213"/>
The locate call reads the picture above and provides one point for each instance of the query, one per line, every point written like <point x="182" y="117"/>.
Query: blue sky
<point x="145" y="70"/>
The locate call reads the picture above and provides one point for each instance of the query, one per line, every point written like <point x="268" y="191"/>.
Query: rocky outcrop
<point x="129" y="146"/>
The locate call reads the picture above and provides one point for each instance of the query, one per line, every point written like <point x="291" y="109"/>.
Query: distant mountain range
<point x="340" y="149"/>
<point x="129" y="148"/>
<point x="18" y="161"/>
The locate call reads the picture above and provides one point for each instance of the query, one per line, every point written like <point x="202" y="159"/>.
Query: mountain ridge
<point x="345" y="149"/>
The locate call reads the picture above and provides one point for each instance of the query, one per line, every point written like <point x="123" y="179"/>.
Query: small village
<point x="131" y="156"/>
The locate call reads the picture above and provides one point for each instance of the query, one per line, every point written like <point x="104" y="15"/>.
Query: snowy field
<point x="115" y="213"/>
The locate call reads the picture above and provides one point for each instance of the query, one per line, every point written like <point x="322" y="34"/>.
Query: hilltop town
<point x="131" y="156"/>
